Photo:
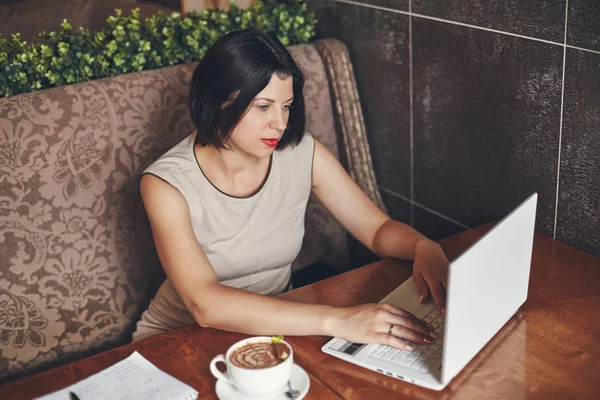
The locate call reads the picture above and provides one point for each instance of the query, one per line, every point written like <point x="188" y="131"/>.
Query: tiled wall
<point x="472" y="105"/>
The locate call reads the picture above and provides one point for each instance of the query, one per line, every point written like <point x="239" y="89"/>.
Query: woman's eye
<point x="287" y="107"/>
<point x="263" y="107"/>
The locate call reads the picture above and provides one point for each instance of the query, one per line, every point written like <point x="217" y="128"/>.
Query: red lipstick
<point x="270" y="142"/>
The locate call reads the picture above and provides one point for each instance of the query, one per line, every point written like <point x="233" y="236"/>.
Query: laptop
<point x="486" y="286"/>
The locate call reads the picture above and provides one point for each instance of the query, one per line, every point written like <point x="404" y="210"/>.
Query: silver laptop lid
<point x="486" y="286"/>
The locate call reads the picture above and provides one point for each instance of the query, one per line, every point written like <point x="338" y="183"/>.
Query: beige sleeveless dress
<point x="250" y="242"/>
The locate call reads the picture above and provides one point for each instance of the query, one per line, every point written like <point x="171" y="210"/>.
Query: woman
<point x="227" y="207"/>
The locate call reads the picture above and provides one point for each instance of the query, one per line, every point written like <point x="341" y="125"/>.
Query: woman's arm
<point x="218" y="306"/>
<point x="378" y="232"/>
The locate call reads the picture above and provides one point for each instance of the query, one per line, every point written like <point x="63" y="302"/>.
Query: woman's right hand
<point x="371" y="323"/>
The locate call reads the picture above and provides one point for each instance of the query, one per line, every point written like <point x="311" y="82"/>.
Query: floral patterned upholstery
<point x="77" y="259"/>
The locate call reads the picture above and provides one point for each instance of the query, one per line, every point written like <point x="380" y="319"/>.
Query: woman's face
<point x="259" y="131"/>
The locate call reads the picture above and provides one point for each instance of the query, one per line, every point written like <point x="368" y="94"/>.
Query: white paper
<point x="133" y="378"/>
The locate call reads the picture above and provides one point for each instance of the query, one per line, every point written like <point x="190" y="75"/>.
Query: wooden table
<point x="550" y="350"/>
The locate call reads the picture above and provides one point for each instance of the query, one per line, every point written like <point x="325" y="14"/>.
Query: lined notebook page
<point x="133" y="378"/>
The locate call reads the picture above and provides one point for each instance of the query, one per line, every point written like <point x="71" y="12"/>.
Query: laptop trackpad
<point x="406" y="296"/>
<point x="417" y="308"/>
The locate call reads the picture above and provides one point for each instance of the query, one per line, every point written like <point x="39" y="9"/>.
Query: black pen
<point x="73" y="396"/>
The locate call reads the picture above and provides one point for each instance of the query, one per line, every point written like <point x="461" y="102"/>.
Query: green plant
<point x="289" y="18"/>
<point x="128" y="44"/>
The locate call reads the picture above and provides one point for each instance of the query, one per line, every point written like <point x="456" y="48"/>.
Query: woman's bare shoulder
<point x="160" y="196"/>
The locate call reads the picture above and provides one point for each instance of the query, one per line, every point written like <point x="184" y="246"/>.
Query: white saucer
<point x="299" y="380"/>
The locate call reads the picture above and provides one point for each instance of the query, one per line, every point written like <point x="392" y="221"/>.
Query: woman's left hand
<point x="430" y="272"/>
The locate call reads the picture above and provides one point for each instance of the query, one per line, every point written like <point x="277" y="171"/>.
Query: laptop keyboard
<point x="423" y="355"/>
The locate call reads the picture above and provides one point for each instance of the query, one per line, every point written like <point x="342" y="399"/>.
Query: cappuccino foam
<point x="256" y="355"/>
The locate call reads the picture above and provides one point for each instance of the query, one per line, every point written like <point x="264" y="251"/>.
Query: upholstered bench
<point x="77" y="259"/>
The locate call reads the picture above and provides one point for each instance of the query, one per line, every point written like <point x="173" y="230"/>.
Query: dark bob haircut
<point x="230" y="75"/>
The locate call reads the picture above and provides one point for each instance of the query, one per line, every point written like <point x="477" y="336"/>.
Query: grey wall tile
<point x="429" y="224"/>
<point x="401" y="5"/>
<point x="579" y="190"/>
<point x="583" y="25"/>
<point x="378" y="44"/>
<point x="398" y="208"/>
<point x="328" y="19"/>
<point x="433" y="226"/>
<point x="544" y="19"/>
<point x="486" y="122"/>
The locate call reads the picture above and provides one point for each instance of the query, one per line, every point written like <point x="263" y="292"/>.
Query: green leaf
<point x="128" y="44"/>
<point x="277" y="339"/>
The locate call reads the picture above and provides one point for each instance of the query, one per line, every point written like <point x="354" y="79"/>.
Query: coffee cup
<point x="255" y="380"/>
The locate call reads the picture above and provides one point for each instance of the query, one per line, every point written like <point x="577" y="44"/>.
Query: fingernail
<point x="408" y="348"/>
<point x="427" y="340"/>
<point x="444" y="312"/>
<point x="433" y="335"/>
<point x="422" y="297"/>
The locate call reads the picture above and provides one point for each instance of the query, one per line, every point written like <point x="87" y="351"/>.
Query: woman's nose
<point x="279" y="121"/>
